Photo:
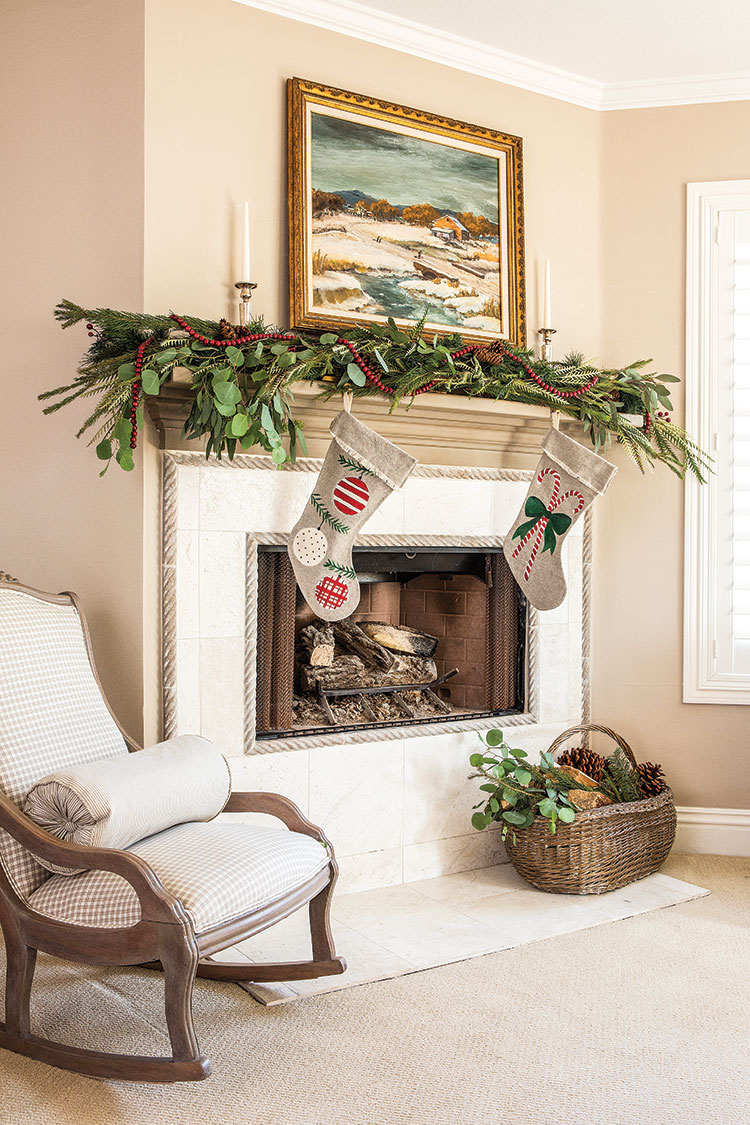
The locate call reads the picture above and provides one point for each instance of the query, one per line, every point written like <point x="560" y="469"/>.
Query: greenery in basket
<point x="518" y="791"/>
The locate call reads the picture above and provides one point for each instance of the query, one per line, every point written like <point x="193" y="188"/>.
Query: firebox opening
<point x="439" y="634"/>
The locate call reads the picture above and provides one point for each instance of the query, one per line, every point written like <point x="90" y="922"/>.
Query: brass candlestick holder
<point x="246" y="296"/>
<point x="545" y="353"/>
<point x="545" y="348"/>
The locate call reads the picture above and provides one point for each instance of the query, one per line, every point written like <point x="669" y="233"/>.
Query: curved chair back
<point x="52" y="711"/>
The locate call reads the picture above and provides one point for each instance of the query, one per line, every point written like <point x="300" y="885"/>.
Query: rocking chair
<point x="167" y="902"/>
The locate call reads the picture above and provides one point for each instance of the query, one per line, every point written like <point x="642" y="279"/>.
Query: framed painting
<point x="394" y="212"/>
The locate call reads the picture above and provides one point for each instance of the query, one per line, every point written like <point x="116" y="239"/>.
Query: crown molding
<point x="701" y="89"/>
<point x="399" y="34"/>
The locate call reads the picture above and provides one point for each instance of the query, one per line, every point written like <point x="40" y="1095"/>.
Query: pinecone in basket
<point x="651" y="777"/>
<point x="492" y="353"/>
<point x="587" y="761"/>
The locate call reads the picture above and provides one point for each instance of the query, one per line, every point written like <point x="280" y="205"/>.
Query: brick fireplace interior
<point x="458" y="606"/>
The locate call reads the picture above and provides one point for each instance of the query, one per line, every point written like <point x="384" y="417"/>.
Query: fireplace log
<point x="399" y="638"/>
<point x="318" y="643"/>
<point x="345" y="671"/>
<point x="350" y="636"/>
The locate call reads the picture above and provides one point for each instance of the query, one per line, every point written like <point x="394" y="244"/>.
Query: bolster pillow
<point x="115" y="802"/>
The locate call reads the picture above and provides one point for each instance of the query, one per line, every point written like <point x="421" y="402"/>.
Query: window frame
<point x="703" y="682"/>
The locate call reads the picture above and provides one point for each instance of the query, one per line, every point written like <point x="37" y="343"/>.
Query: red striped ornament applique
<point x="351" y="495"/>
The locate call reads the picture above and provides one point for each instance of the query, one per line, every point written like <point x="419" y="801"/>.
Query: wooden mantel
<point x="438" y="429"/>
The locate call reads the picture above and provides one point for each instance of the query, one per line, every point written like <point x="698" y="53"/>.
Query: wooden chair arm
<point x="280" y="807"/>
<point x="157" y="905"/>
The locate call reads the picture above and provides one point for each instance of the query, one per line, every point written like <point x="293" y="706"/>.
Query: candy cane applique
<point x="543" y="519"/>
<point x="546" y="522"/>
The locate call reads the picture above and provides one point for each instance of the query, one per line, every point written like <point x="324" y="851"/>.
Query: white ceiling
<point x="603" y="54"/>
<point x="607" y="40"/>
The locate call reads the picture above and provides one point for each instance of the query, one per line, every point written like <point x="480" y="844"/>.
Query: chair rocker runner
<point x="169" y="901"/>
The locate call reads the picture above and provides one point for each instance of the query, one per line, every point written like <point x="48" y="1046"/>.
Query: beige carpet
<point x="641" y="1022"/>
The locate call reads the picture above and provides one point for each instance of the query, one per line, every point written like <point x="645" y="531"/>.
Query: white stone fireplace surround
<point x="396" y="802"/>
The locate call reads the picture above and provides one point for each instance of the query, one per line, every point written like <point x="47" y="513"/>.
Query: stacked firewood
<point x="359" y="655"/>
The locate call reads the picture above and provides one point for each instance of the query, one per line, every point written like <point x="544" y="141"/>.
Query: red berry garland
<point x="374" y="378"/>
<point x="136" y="394"/>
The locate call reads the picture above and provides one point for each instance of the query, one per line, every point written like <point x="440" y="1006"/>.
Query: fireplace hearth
<point x="439" y="634"/>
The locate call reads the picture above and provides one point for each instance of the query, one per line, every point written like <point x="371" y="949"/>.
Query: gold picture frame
<point x="397" y="212"/>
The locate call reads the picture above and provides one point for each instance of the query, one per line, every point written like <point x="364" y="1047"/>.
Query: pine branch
<point x="355" y="466"/>
<point x="620" y="780"/>
<point x="340" y="568"/>
<point x="326" y="516"/>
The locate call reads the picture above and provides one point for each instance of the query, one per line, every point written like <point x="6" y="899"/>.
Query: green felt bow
<point x="557" y="523"/>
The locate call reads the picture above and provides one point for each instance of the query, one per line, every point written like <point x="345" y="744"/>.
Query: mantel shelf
<point x="436" y="428"/>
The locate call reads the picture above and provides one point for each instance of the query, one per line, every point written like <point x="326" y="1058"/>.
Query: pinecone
<point x="587" y="761"/>
<point x="228" y="331"/>
<point x="651" y="777"/>
<point x="492" y="353"/>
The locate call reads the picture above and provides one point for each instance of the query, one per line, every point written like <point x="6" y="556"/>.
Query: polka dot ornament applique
<point x="310" y="546"/>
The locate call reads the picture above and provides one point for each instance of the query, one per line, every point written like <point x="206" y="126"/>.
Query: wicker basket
<point x="603" y="848"/>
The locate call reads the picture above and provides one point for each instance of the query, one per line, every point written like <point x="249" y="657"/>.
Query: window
<point x="716" y="667"/>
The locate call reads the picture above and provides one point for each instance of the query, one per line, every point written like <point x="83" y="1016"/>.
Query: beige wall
<point x="215" y="85"/>
<point x="71" y="208"/>
<point x="647" y="158"/>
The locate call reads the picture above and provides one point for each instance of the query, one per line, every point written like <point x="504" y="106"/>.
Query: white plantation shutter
<point x="734" y="240"/>
<point x="717" y="515"/>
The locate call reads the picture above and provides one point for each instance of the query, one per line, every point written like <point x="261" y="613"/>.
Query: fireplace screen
<point x="439" y="634"/>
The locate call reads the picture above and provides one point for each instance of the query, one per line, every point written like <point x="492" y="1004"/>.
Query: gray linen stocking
<point x="361" y="468"/>
<point x="565" y="483"/>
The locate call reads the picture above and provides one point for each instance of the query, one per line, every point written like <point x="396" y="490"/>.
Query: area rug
<point x="405" y="929"/>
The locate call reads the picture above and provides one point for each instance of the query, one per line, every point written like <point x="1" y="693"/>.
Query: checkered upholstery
<point x="218" y="870"/>
<point x="52" y="713"/>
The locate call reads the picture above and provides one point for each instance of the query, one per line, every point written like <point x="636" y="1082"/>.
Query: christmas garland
<point x="242" y="380"/>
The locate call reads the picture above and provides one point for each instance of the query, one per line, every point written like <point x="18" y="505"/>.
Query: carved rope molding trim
<point x="173" y="460"/>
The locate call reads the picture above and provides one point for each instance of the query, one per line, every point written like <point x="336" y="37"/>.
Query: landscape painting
<point x="402" y="215"/>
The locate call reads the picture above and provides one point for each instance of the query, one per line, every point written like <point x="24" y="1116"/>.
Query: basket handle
<point x="595" y="726"/>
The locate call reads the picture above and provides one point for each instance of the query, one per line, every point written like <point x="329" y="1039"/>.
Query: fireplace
<point x="439" y="634"/>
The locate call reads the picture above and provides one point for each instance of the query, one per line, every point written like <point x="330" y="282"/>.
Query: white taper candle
<point x="245" y="270"/>
<point x="547" y="316"/>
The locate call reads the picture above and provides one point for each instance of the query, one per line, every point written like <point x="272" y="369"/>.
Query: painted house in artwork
<point x="449" y="228"/>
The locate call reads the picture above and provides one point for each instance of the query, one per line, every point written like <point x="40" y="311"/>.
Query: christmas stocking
<point x="565" y="483"/>
<point x="360" y="470"/>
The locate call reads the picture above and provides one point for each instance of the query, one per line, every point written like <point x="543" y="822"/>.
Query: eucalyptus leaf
<point x="122" y="431"/>
<point x="356" y="374"/>
<point x="126" y="372"/>
<point x="235" y="356"/>
<point x="150" y="381"/>
<point x="239" y="425"/>
<point x="266" y="420"/>
<point x="226" y="410"/>
<point x="226" y="392"/>
<point x="514" y="817"/>
<point x="104" y="449"/>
